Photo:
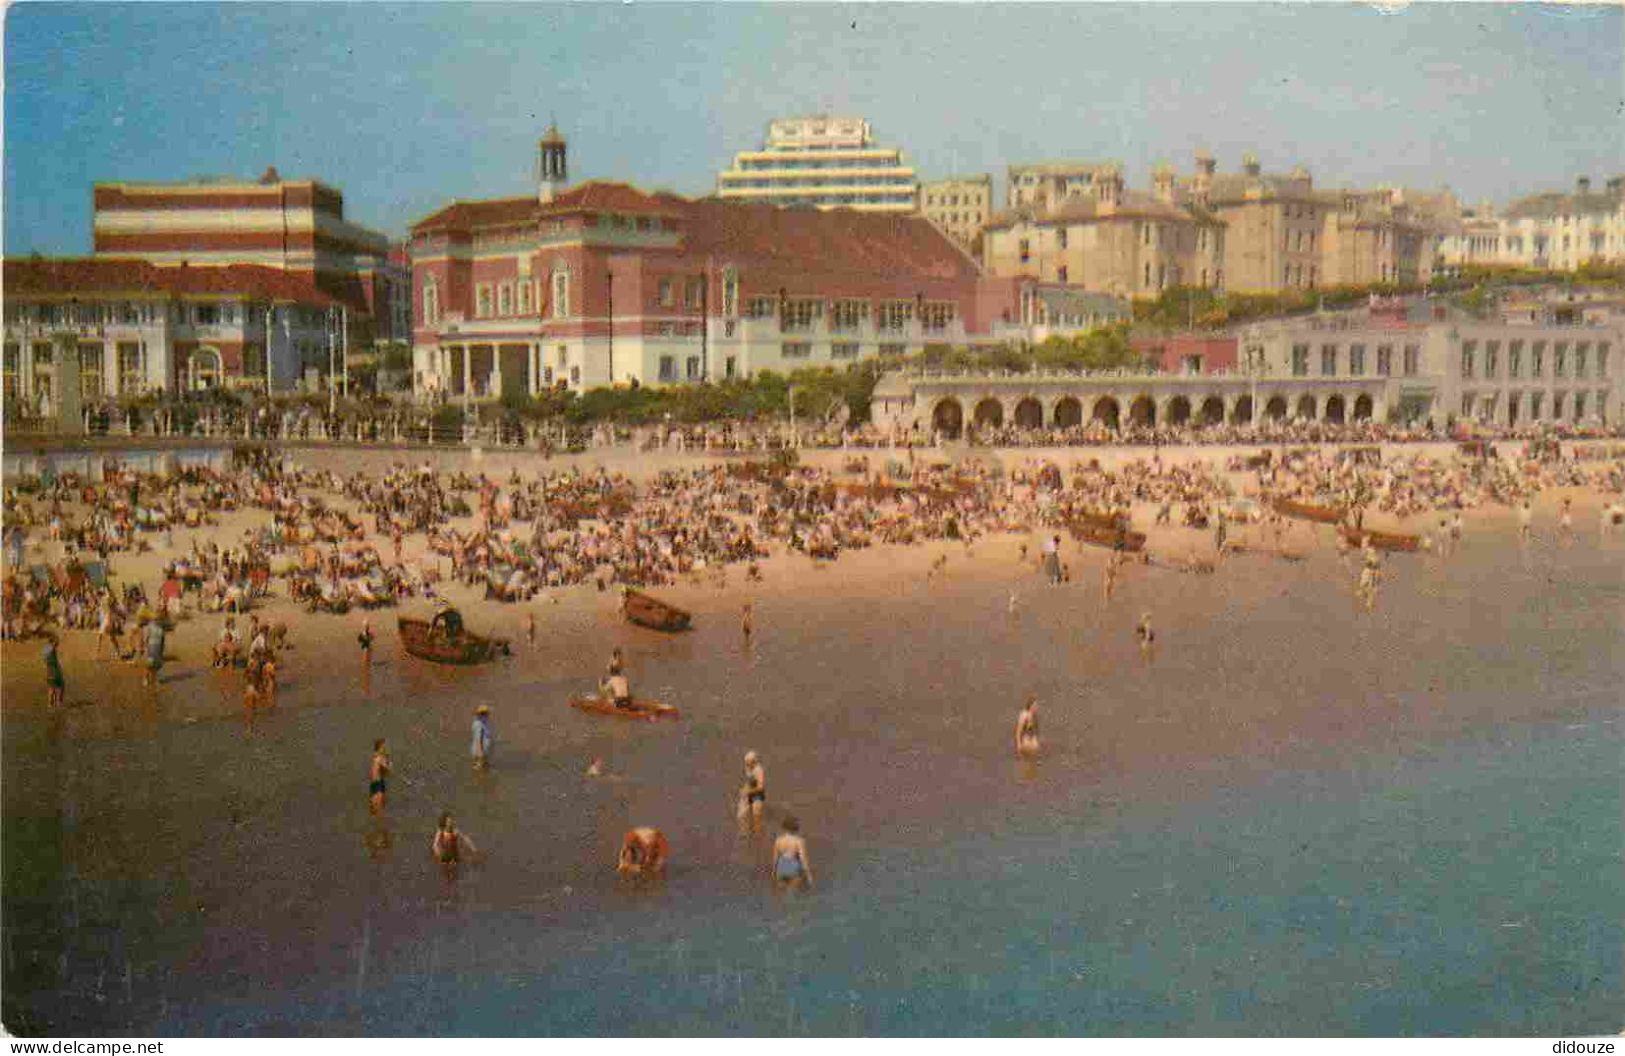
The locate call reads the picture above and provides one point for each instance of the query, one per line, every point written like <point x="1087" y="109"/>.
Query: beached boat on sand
<point x="647" y="611"/>
<point x="1392" y="541"/>
<point x="444" y="640"/>
<point x="646" y="708"/>
<point x="1095" y="519"/>
<point x="1118" y="538"/>
<point x="1307" y="511"/>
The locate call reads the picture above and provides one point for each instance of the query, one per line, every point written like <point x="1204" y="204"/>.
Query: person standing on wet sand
<point x="1145" y="635"/>
<point x="1525" y="517"/>
<point x="55" y="684"/>
<point x="155" y="642"/>
<point x="1027" y="728"/>
<point x="753" y="793"/>
<point x="365" y="641"/>
<point x="378" y="777"/>
<point x="746" y="625"/>
<point x="483" y="738"/>
<point x="530" y="628"/>
<point x="1052" y="560"/>
<point x="450" y="847"/>
<point x="1565" y="521"/>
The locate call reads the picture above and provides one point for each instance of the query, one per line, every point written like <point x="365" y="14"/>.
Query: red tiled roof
<point x="838" y="244"/>
<point x="88" y="275"/>
<point x="592" y="196"/>
<point x="598" y="196"/>
<point x="491" y="212"/>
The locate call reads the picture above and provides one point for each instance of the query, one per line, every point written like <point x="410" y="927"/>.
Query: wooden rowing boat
<point x="1107" y="521"/>
<point x="1118" y="538"/>
<point x="646" y="708"/>
<point x="648" y="611"/>
<point x="1307" y="511"/>
<point x="1399" y="542"/>
<point x="446" y="641"/>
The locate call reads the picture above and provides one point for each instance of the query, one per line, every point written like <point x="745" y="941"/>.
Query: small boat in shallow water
<point x="1392" y="541"/>
<point x="648" y="611"/>
<point x="646" y="708"/>
<point x="444" y="640"/>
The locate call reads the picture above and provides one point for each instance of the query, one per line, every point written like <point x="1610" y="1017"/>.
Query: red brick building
<point x="605" y="283"/>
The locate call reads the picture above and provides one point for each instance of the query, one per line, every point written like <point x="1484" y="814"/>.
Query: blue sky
<point x="404" y="107"/>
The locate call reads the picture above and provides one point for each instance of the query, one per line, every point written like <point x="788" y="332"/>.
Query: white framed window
<point x="730" y="292"/>
<point x="482" y="300"/>
<point x="664" y="296"/>
<point x="844" y="350"/>
<point x="848" y="315"/>
<point x="561" y="295"/>
<point x="526" y="297"/>
<point x="505" y="299"/>
<point x="796" y="349"/>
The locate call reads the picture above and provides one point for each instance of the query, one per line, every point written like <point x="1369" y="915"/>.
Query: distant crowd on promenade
<point x="401" y="426"/>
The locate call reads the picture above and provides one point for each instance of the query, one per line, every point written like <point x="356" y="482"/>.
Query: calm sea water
<point x="1296" y="819"/>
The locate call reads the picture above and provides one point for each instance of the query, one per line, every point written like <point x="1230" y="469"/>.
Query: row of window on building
<point x="852" y="182"/>
<point x="149" y="313"/>
<point x="1531" y="406"/>
<point x="1561" y="361"/>
<point x="1410" y="363"/>
<point x="802" y="162"/>
<point x="906" y="199"/>
<point x="804" y="313"/>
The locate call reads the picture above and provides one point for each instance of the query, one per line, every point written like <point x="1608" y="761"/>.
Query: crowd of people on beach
<point x="338" y="541"/>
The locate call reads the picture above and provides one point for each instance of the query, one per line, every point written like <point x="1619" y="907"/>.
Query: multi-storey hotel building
<point x="1547" y="231"/>
<point x="296" y="226"/>
<point x="960" y="206"/>
<point x="822" y="162"/>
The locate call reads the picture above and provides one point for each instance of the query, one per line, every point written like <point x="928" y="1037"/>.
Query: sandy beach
<point x="880" y="688"/>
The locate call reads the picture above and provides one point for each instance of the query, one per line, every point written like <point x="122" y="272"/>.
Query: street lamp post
<point x="332" y="392"/>
<point x="609" y="286"/>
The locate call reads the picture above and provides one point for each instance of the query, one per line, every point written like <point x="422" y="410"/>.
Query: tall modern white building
<point x="826" y="163"/>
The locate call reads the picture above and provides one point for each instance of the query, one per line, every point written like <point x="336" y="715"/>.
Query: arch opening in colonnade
<point x="1275" y="409"/>
<point x="1362" y="408"/>
<point x="1029" y="414"/>
<point x="1068" y="413"/>
<point x="1306" y="408"/>
<point x="1106" y="413"/>
<point x="989" y="412"/>
<point x="1212" y="412"/>
<point x="1178" y="411"/>
<point x="203" y="369"/>
<point x="948" y="418"/>
<point x="1143" y="411"/>
<point x="1334" y="410"/>
<point x="1242" y="413"/>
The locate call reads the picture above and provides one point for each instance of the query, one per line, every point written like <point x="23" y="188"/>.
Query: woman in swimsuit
<point x="790" y="865"/>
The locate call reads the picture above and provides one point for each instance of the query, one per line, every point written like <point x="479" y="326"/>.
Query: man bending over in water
<point x="1027" y="728"/>
<point x="790" y="865"/>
